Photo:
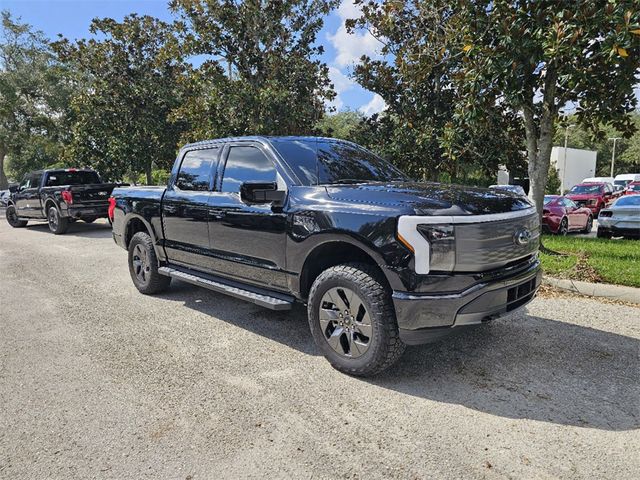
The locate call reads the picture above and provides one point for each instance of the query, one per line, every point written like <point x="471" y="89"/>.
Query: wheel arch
<point x="330" y="253"/>
<point x="135" y="224"/>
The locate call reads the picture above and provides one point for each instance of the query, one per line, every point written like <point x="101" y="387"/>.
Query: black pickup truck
<point x="59" y="197"/>
<point x="379" y="260"/>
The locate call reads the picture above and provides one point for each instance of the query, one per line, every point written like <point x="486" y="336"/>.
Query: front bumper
<point x="423" y="318"/>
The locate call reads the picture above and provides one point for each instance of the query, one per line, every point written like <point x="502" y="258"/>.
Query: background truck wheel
<point x="57" y="224"/>
<point x="89" y="219"/>
<point x="12" y="218"/>
<point x="353" y="321"/>
<point x="143" y="265"/>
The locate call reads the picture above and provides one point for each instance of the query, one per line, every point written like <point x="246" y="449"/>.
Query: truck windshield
<point x="595" y="189"/>
<point x="84" y="177"/>
<point x="332" y="162"/>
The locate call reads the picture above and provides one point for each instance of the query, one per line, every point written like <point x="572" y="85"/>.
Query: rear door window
<point x="196" y="169"/>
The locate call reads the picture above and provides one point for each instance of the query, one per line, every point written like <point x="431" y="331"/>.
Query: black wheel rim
<point x="12" y="216"/>
<point x="345" y="322"/>
<point x="141" y="265"/>
<point x="53" y="219"/>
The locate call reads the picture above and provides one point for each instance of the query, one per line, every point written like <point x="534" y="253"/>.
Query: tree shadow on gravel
<point x="527" y="367"/>
<point x="520" y="367"/>
<point x="76" y="229"/>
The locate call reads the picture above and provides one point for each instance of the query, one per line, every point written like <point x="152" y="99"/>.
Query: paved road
<point x="98" y="381"/>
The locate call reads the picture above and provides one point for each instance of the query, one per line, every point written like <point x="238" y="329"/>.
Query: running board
<point x="259" y="296"/>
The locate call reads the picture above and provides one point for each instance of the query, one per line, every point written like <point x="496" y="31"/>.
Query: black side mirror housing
<point x="262" y="192"/>
<point x="14" y="188"/>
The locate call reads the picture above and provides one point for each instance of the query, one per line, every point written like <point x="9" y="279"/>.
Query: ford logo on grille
<point x="522" y="236"/>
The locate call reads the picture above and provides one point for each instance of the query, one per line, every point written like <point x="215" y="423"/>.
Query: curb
<point x="602" y="290"/>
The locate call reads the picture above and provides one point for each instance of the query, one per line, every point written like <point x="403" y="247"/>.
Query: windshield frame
<point x="598" y="186"/>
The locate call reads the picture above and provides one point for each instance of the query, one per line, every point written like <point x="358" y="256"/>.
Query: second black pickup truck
<point x="379" y="260"/>
<point x="59" y="196"/>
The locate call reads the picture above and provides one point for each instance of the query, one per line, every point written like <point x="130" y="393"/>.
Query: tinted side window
<point x="196" y="170"/>
<point x="25" y="182"/>
<point x="569" y="203"/>
<point x="246" y="164"/>
<point x="35" y="180"/>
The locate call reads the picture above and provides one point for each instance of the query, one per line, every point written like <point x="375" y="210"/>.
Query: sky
<point x="71" y="18"/>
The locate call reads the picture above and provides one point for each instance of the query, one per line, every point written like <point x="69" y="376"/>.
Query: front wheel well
<point x="330" y="254"/>
<point x="134" y="226"/>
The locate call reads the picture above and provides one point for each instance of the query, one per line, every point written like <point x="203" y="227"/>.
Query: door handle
<point x="170" y="209"/>
<point x="216" y="213"/>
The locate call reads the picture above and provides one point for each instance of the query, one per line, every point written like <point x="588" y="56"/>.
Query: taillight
<point x="112" y="208"/>
<point x="67" y="196"/>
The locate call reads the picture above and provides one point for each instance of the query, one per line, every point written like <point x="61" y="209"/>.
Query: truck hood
<point x="430" y="198"/>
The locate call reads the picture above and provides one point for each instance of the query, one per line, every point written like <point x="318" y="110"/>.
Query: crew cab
<point x="381" y="261"/>
<point x="594" y="196"/>
<point x="59" y="196"/>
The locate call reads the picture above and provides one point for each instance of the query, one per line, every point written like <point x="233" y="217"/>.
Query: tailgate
<point x="95" y="194"/>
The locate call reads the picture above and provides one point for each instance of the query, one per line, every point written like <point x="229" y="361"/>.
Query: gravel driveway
<point x="98" y="381"/>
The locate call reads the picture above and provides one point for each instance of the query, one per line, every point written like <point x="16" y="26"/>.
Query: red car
<point x="633" y="188"/>
<point x="561" y="215"/>
<point x="594" y="196"/>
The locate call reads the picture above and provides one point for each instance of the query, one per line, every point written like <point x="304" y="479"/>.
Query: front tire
<point x="143" y="266"/>
<point x="13" y="219"/>
<point x="563" y="229"/>
<point x="589" y="225"/>
<point x="57" y="224"/>
<point x="89" y="219"/>
<point x="353" y="321"/>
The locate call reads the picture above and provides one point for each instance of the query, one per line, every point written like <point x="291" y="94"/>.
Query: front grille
<point x="521" y="294"/>
<point x="489" y="245"/>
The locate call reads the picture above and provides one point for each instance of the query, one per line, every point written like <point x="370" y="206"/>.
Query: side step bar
<point x="264" y="298"/>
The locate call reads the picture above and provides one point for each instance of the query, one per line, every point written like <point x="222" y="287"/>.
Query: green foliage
<point x="33" y="98"/>
<point x="261" y="74"/>
<point x="553" y="182"/>
<point x="627" y="149"/>
<point x="158" y="177"/>
<point x="343" y="125"/>
<point x="128" y="79"/>
<point x="422" y="130"/>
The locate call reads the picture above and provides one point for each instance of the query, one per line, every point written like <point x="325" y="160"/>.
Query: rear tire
<point x="12" y="218"/>
<point x="143" y="266"/>
<point x="601" y="233"/>
<point x="353" y="321"/>
<point x="57" y="224"/>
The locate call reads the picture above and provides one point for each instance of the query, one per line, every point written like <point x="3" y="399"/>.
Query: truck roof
<point x="264" y="139"/>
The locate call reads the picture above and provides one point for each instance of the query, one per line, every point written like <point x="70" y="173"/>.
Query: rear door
<point x="248" y="239"/>
<point x="185" y="209"/>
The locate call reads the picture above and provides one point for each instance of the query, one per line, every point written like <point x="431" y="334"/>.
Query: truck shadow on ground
<point x="519" y="367"/>
<point x="76" y="229"/>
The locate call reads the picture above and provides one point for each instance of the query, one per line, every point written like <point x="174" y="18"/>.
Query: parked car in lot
<point x="624" y="179"/>
<point x="59" y="196"/>
<point x="4" y="197"/>
<point x="594" y="196"/>
<point x="633" y="188"/>
<point x="560" y="215"/>
<point x="380" y="261"/>
<point x="510" y="188"/>
<point x="621" y="219"/>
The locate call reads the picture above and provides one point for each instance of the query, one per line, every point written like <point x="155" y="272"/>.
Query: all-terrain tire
<point x="12" y="218"/>
<point x="143" y="266"/>
<point x="385" y="346"/>
<point x="57" y="223"/>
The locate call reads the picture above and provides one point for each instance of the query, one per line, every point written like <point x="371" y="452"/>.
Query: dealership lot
<point x="97" y="380"/>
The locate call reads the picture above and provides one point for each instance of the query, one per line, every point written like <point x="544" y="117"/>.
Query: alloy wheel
<point x="141" y="265"/>
<point x="345" y="322"/>
<point x="53" y="218"/>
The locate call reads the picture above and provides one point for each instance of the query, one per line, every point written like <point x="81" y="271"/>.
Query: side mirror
<point x="14" y="188"/>
<point x="261" y="192"/>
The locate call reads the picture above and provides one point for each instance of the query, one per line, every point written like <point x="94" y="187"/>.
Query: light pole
<point x="564" y="157"/>
<point x="613" y="154"/>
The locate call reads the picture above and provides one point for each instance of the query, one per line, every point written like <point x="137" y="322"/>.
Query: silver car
<point x="621" y="219"/>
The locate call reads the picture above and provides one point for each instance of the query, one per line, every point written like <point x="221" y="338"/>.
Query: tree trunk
<point x="4" y="183"/>
<point x="147" y="171"/>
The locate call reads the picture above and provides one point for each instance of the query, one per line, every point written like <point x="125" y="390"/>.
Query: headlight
<point x="437" y="253"/>
<point x="442" y="241"/>
<point x="592" y="202"/>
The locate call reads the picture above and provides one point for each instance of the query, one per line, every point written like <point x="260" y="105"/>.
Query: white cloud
<point x="341" y="83"/>
<point x="351" y="46"/>
<point x="375" y="105"/>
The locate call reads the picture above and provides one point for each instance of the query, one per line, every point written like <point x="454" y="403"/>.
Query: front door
<point x="27" y="199"/>
<point x="248" y="239"/>
<point x="185" y="209"/>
